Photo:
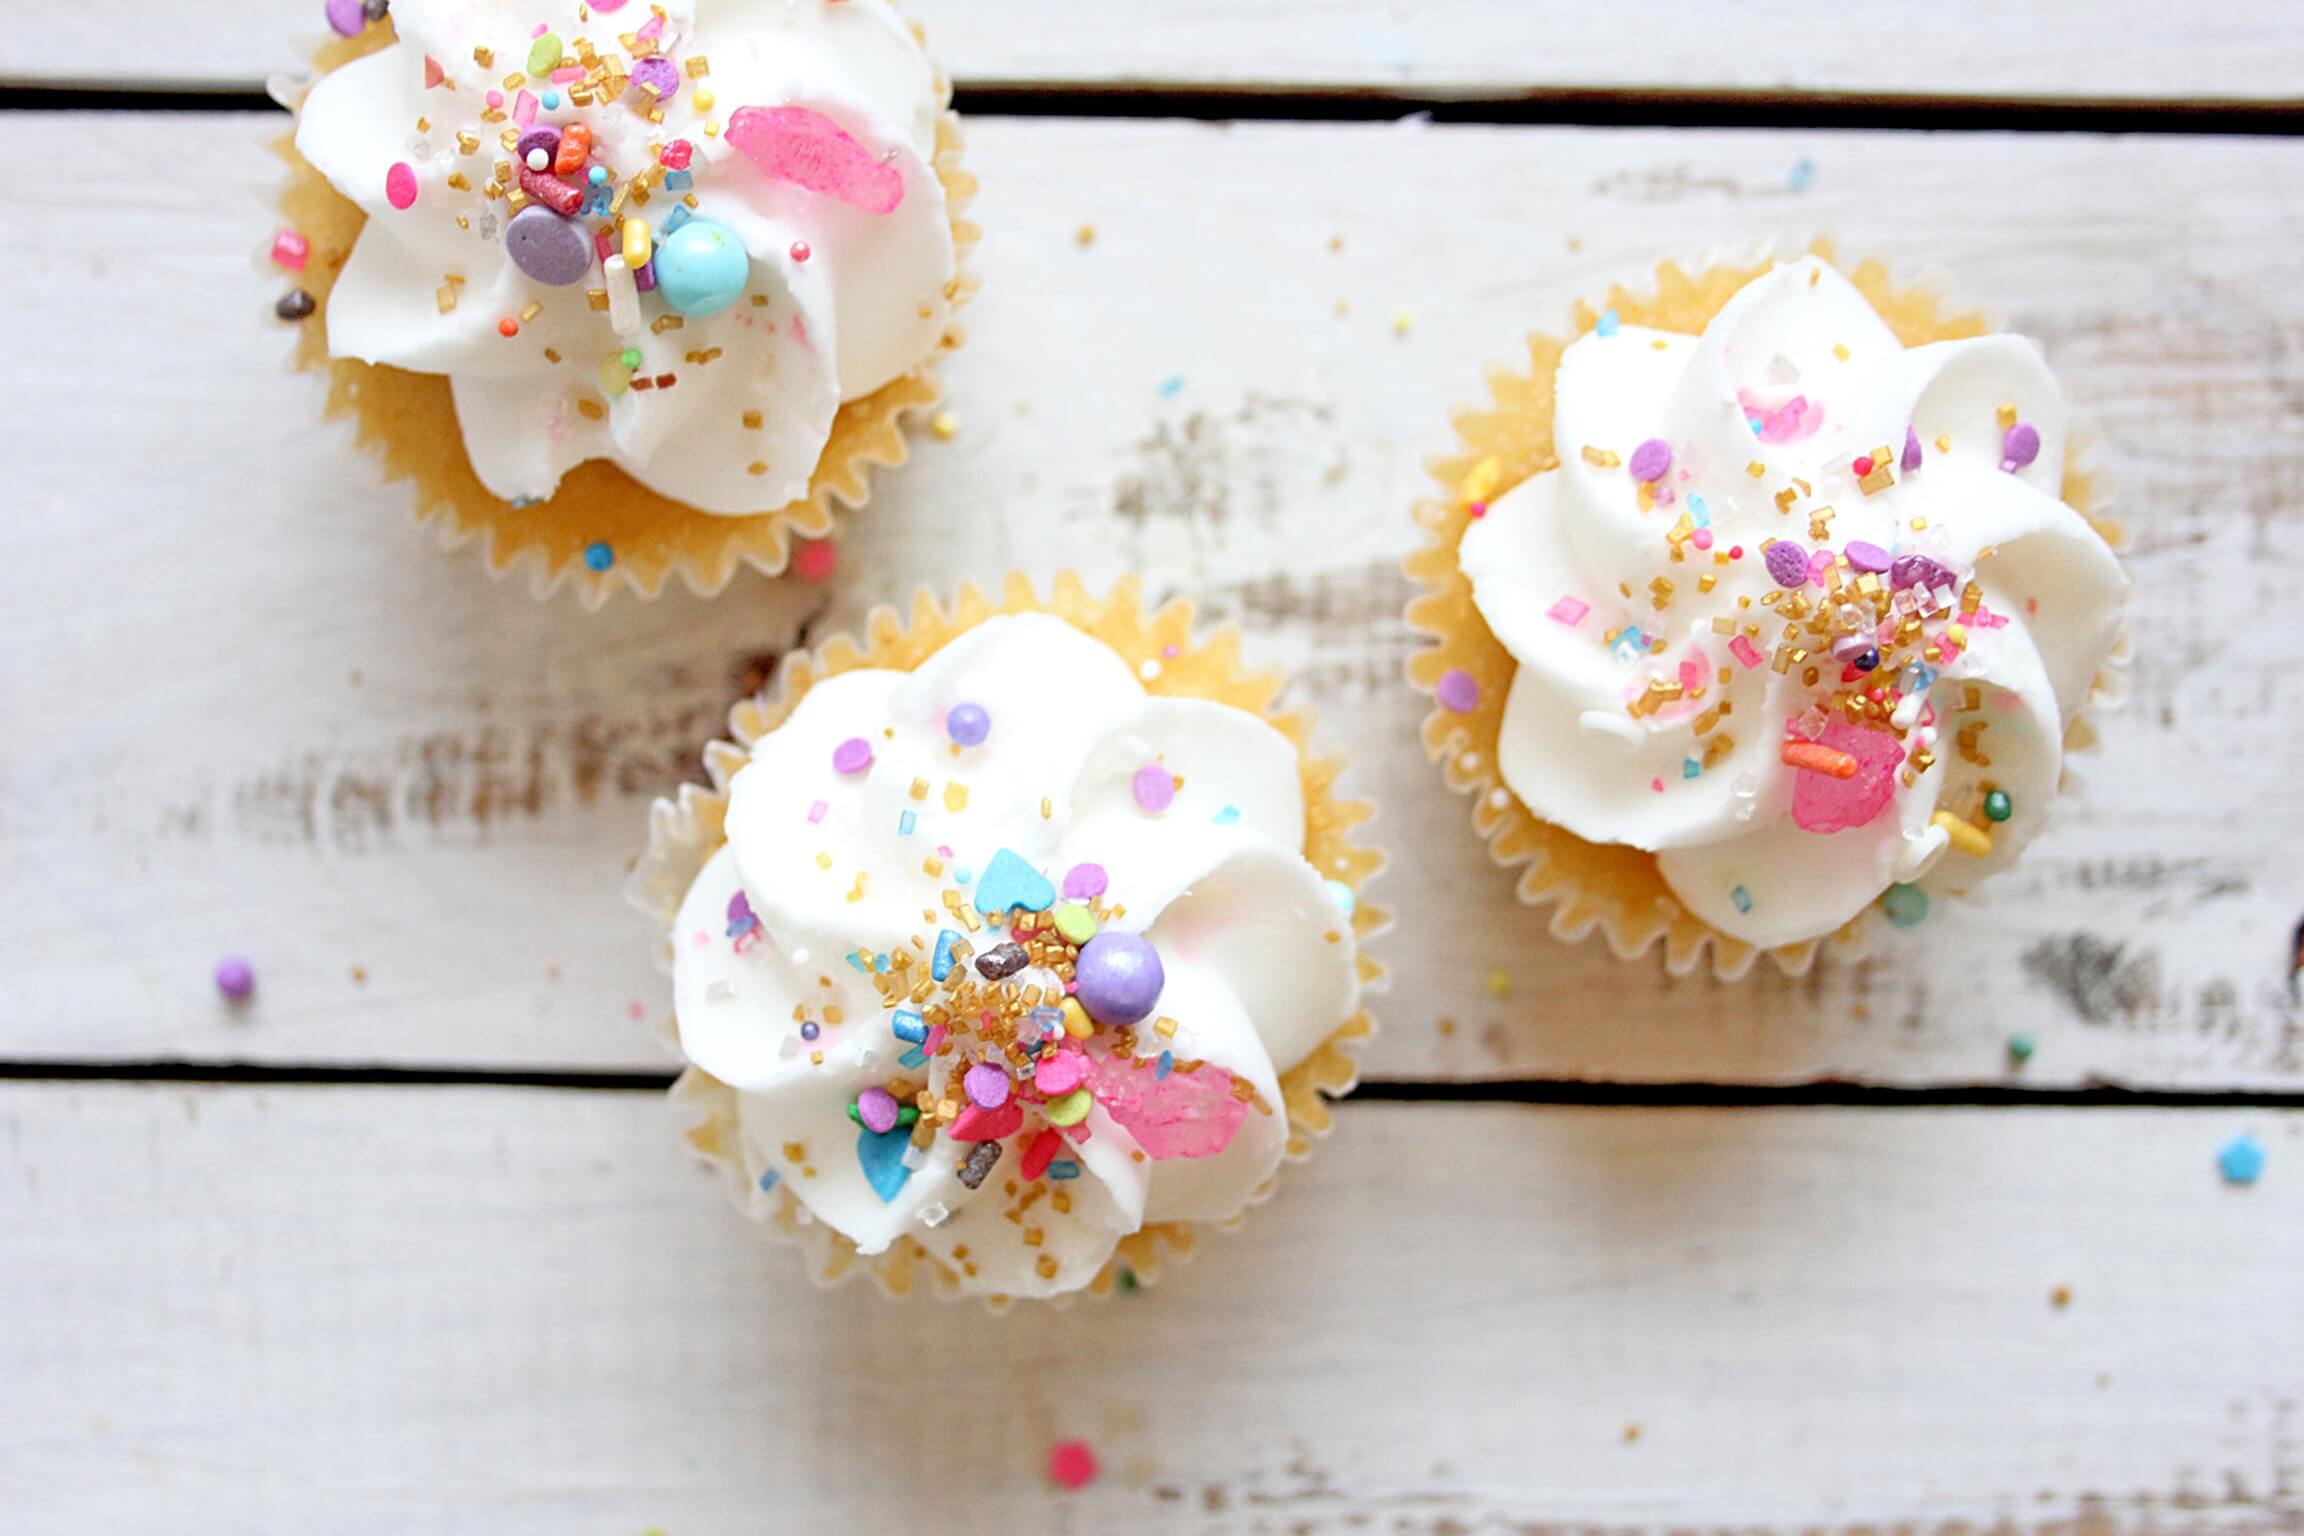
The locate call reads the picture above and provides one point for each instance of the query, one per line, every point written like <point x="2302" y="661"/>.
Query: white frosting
<point x="1259" y="962"/>
<point x="867" y="305"/>
<point x="1725" y="831"/>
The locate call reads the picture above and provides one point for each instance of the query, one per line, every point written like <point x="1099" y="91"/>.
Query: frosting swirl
<point x="1009" y="976"/>
<point x="679" y="247"/>
<point x="1800" y="609"/>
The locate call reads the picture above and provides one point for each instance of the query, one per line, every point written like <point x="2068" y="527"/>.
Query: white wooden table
<point x="409" y="1245"/>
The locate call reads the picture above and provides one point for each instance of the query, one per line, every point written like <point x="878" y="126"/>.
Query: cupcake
<point x="627" y="292"/>
<point x="1771" y="600"/>
<point x="1011" y="947"/>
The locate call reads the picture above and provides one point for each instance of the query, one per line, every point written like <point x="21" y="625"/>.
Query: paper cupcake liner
<point x="408" y="421"/>
<point x="685" y="831"/>
<point x="1608" y="887"/>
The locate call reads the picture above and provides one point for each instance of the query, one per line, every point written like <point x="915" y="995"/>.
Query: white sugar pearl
<point x="538" y="160"/>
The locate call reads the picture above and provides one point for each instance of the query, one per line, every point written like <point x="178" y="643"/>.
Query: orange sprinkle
<point x="1819" y="759"/>
<point x="507" y="327"/>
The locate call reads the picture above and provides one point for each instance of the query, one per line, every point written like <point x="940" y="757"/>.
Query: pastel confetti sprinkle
<point x="1083" y="882"/>
<point x="2241" y="1160"/>
<point x="1155" y="788"/>
<point x="1459" y="691"/>
<point x="1071" y="1464"/>
<point x="1607" y="323"/>
<point x="1569" y="611"/>
<point x="599" y="555"/>
<point x="852" y="756"/>
<point x="235" y="978"/>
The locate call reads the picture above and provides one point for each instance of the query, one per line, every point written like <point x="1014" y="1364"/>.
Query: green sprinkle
<point x="1997" y="806"/>
<point x="1906" y="905"/>
<point x="2019" y="1048"/>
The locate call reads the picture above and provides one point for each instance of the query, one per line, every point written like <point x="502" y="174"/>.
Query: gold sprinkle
<point x="698" y="66"/>
<point x="1943" y="443"/>
<point x="752" y="420"/>
<point x="1600" y="458"/>
<point x="1085" y="235"/>
<point x="2007" y="414"/>
<point x="945" y="425"/>
<point x="596" y="298"/>
<point x="919" y="789"/>
<point x="1756" y="469"/>
<point x="484" y="57"/>
<point x="665" y="323"/>
<point x="531" y="310"/>
<point x="756" y="467"/>
<point x="1840" y="351"/>
<point x="955" y="797"/>
<point x="590" y="409"/>
<point x="823" y="861"/>
<point x="445" y="296"/>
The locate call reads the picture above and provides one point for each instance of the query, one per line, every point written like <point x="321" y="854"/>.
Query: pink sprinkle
<point x="816" y="811"/>
<point x="1691" y="675"/>
<point x="934" y="1040"/>
<point x="852" y="756"/>
<point x="1071" y="1464"/>
<point x="400" y="185"/>
<point x="1155" y="788"/>
<point x="566" y="73"/>
<point x="1819" y="563"/>
<point x="1171" y="652"/>
<point x="1701" y="538"/>
<point x="1085" y="882"/>
<point x="652" y="28"/>
<point x="1570" y="611"/>
<point x="801" y="251"/>
<point x="803" y="146"/>
<point x="539" y="32"/>
<point x="524" y="108"/>
<point x="495" y="100"/>
<point x="1656" y="785"/>
<point x="986" y="1085"/>
<point x="702" y="939"/>
<point x="636" y="1008"/>
<point x="1458" y="691"/>
<point x="289" y="249"/>
<point x="1061" y="1073"/>
<point x="815" y="559"/>
<point x="1745" y="651"/>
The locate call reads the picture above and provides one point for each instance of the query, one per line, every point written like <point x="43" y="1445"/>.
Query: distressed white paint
<point x="247" y="706"/>
<point x="371" y="1312"/>
<point x="2055" y="49"/>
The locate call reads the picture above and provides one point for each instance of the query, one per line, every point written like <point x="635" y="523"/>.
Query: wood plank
<point x="501" y="1311"/>
<point x="249" y="708"/>
<point x="2057" y="50"/>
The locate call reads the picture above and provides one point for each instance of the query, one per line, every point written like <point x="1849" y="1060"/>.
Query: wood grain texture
<point x="2102" y="50"/>
<point x="497" y="1312"/>
<point x="247" y="708"/>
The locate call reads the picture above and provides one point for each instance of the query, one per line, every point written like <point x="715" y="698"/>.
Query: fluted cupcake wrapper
<point x="1613" y="889"/>
<point x="686" y="830"/>
<point x="408" y="422"/>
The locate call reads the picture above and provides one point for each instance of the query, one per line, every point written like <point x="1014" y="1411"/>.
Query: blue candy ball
<point x="701" y="268"/>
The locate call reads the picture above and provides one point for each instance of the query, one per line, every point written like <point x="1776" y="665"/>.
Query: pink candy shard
<point x="1745" y="651"/>
<point x="400" y="185"/>
<point x="1185" y="1114"/>
<point x="1569" y="611"/>
<point x="810" y="150"/>
<point x="1822" y="803"/>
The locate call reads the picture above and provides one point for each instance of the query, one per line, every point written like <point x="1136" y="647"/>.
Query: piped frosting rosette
<point x="1795" y="605"/>
<point x="685" y="248"/>
<point x="1005" y="964"/>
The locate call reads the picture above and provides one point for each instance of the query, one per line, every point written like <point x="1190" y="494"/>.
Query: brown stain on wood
<point x="1210" y="464"/>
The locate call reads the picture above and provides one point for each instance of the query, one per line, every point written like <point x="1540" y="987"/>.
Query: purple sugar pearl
<point x="1652" y="460"/>
<point x="2020" y="447"/>
<point x="1118" y="978"/>
<point x="986" y="1085"/>
<point x="1459" y="691"/>
<point x="1911" y="459"/>
<point x="1918" y="571"/>
<point x="877" y="1108"/>
<point x="967" y="724"/>
<point x="1085" y="882"/>
<point x="1788" y="563"/>
<point x="1866" y="557"/>
<point x="347" y="17"/>
<point x="852" y="756"/>
<point x="235" y="978"/>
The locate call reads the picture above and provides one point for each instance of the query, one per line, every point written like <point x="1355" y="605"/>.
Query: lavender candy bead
<point x="1788" y="563"/>
<point x="553" y="250"/>
<point x="1118" y="978"/>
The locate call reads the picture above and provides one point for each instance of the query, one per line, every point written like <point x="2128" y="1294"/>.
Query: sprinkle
<point x="1071" y="1464"/>
<point x="1690" y="768"/>
<point x="810" y="1030"/>
<point x="1155" y="788"/>
<point x="1997" y="805"/>
<point x="400" y="185"/>
<point x="1966" y="836"/>
<point x="235" y="978"/>
<point x="1745" y="651"/>
<point x="1866" y="557"/>
<point x="906" y="821"/>
<point x="1569" y="611"/>
<point x="2020" y="1049"/>
<point x="2020" y="446"/>
<point x="1911" y="459"/>
<point x="1063" y="1169"/>
<point x="1075" y="922"/>
<point x="1165" y="1065"/>
<point x="981" y="1159"/>
<point x="290" y="250"/>
<point x="1084" y="882"/>
<point x="1607" y="323"/>
<point x="908" y="1026"/>
<point x="986" y="1085"/>
<point x="1061" y="1073"/>
<point x="1459" y="691"/>
<point x="295" y="304"/>
<point x="815" y="559"/>
<point x="1341" y="894"/>
<point x="1906" y="905"/>
<point x="1651" y="460"/>
<point x="1227" y="816"/>
<point x="945" y="425"/>
<point x="876" y="1110"/>
<point x="1037" y="1156"/>
<point x="599" y="554"/>
<point x="1072" y="1108"/>
<point x="1819" y="759"/>
<point x="1803" y="172"/>
<point x="2241" y="1160"/>
<point x="967" y="724"/>
<point x="1787" y="563"/>
<point x="941" y="961"/>
<point x="1742" y="898"/>
<point x="1601" y="458"/>
<point x="853" y="756"/>
<point x="800" y="251"/>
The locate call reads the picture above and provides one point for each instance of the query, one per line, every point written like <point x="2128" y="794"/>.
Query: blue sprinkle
<point x="598" y="175"/>
<point x="678" y="181"/>
<point x="962" y="874"/>
<point x="1341" y="894"/>
<point x="1689" y="767"/>
<point x="1803" y="172"/>
<point x="1228" y="815"/>
<point x="1698" y="512"/>
<point x="1630" y="644"/>
<point x="1919" y="678"/>
<point x="1758" y="424"/>
<point x="881" y="1153"/>
<point x="1742" y="898"/>
<point x="1171" y="388"/>
<point x="1063" y="1168"/>
<point x="1049" y="1020"/>
<point x="856" y="959"/>
<point x="598" y="555"/>
<point x="596" y="200"/>
<point x="523" y="503"/>
<point x="905" y="822"/>
<point x="2242" y="1159"/>
<point x="915" y="1057"/>
<point x="940" y="963"/>
<point x="880" y="962"/>
<point x="768" y="1180"/>
<point x="550" y="101"/>
<point x="908" y="1025"/>
<point x="1607" y="325"/>
<point x="1166" y="1065"/>
<point x="679" y="214"/>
